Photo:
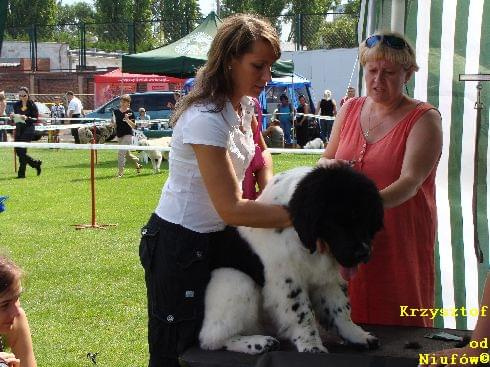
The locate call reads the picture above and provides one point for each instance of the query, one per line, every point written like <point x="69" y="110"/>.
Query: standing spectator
<point x="25" y="114"/>
<point x="326" y="107"/>
<point x="302" y="122"/>
<point x="57" y="113"/>
<point x="75" y="109"/>
<point x="285" y="114"/>
<point x="143" y="118"/>
<point x="14" y="327"/>
<point x="3" y="106"/>
<point x="123" y="118"/>
<point x="351" y="93"/>
<point x="274" y="135"/>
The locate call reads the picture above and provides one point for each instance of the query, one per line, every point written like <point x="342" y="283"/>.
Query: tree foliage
<point x="75" y="13"/>
<point x="270" y="9"/>
<point x="176" y="18"/>
<point x="342" y="31"/>
<point x="140" y="25"/>
<point x="23" y="14"/>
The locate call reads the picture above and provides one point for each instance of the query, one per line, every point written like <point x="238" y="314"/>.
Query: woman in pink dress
<point x="396" y="141"/>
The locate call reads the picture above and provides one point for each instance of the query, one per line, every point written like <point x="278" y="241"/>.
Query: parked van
<point x="156" y="104"/>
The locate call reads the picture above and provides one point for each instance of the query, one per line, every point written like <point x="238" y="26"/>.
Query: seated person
<point x="274" y="135"/>
<point x="141" y="119"/>
<point x="14" y="327"/>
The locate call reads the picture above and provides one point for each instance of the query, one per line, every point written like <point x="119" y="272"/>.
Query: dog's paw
<point x="369" y="342"/>
<point x="313" y="349"/>
<point x="254" y="344"/>
<point x="271" y="344"/>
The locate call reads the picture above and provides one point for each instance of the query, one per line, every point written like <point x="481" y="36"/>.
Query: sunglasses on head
<point x="391" y="41"/>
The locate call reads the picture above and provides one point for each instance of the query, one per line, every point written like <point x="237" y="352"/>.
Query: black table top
<point x="393" y="352"/>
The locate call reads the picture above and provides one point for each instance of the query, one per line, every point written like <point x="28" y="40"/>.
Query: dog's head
<point x="340" y="207"/>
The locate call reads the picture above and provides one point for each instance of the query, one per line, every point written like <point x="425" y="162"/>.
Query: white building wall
<point x="326" y="69"/>
<point x="99" y="61"/>
<point x="57" y="53"/>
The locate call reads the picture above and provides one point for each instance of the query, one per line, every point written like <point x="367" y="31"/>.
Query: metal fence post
<point x="82" y="53"/>
<point x="131" y="38"/>
<point x="298" y="35"/>
<point x="33" y="46"/>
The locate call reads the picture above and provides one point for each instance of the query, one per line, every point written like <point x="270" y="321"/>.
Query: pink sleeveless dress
<point x="401" y="269"/>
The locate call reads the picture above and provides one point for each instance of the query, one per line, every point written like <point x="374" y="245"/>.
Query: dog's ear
<point x="304" y="226"/>
<point x="304" y="210"/>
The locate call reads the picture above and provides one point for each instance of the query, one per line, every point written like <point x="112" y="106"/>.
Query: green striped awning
<point x="451" y="38"/>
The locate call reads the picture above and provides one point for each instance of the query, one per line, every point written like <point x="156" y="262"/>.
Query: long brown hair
<point x="10" y="273"/>
<point x="235" y="37"/>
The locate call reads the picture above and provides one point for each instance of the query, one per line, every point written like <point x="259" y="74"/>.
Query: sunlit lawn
<point x="84" y="290"/>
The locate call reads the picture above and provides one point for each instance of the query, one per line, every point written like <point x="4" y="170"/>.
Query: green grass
<point x="84" y="290"/>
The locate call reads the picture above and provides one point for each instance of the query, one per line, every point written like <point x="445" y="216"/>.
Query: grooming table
<point x="391" y="353"/>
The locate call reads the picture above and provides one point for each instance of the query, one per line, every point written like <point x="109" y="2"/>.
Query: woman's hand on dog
<point x="328" y="163"/>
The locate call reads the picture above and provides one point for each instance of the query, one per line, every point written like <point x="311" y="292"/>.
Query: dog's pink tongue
<point x="348" y="273"/>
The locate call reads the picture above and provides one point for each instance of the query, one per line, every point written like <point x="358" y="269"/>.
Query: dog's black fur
<point x="340" y="206"/>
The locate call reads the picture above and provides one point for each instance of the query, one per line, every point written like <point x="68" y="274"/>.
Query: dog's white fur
<point x="155" y="156"/>
<point x="316" y="143"/>
<point x="299" y="289"/>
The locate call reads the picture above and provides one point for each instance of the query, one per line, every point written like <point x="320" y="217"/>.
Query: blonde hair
<point x="381" y="51"/>
<point x="2" y="96"/>
<point x="235" y="37"/>
<point x="126" y="98"/>
<point x="327" y="94"/>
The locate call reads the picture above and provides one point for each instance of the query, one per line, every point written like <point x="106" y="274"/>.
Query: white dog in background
<point x="316" y="143"/>
<point x="155" y="156"/>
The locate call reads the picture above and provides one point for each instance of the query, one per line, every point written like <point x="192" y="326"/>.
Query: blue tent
<point x="292" y="86"/>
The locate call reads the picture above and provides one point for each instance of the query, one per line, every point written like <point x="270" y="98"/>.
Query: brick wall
<point x="51" y="83"/>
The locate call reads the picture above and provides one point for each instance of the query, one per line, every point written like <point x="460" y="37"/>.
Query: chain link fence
<point x="304" y="31"/>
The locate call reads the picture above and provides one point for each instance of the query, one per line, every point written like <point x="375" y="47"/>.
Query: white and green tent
<point x="451" y="37"/>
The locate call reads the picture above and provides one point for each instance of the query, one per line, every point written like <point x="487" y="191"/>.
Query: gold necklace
<point x="369" y="129"/>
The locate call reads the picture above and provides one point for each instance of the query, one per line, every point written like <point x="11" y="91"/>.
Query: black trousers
<point x="74" y="132"/>
<point x="24" y="160"/>
<point x="178" y="264"/>
<point x="24" y="132"/>
<point x="302" y="133"/>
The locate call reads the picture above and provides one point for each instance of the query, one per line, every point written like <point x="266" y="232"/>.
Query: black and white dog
<point x="334" y="209"/>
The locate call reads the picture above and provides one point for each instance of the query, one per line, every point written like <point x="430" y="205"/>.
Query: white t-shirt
<point x="75" y="106"/>
<point x="184" y="198"/>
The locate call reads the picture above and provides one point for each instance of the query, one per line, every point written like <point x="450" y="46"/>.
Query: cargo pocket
<point x="149" y="237"/>
<point x="177" y="273"/>
<point x="193" y="277"/>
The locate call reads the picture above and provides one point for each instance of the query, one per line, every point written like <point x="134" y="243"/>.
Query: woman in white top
<point x="212" y="146"/>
